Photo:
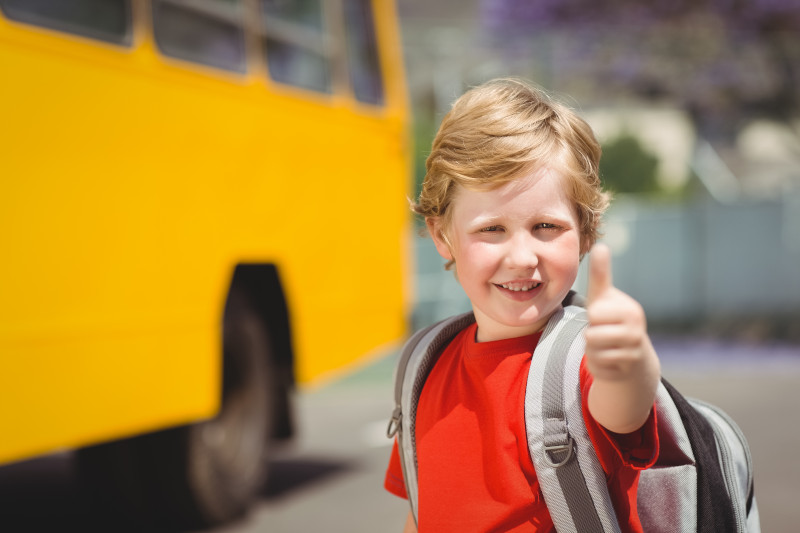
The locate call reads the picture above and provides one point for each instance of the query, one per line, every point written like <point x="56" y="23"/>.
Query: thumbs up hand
<point x="619" y="354"/>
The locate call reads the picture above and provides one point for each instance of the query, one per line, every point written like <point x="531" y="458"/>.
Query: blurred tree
<point x="727" y="62"/>
<point x="423" y="131"/>
<point x="626" y="167"/>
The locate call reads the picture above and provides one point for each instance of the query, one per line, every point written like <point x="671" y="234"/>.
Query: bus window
<point x="208" y="32"/>
<point x="296" y="43"/>
<point x="362" y="52"/>
<point x="106" y="20"/>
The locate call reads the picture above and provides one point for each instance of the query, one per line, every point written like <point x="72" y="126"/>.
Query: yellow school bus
<point x="203" y="203"/>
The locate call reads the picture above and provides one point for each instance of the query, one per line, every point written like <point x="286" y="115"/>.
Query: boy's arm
<point x="619" y="353"/>
<point x="411" y="526"/>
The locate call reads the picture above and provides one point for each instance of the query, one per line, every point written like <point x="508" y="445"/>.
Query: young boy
<point x="512" y="199"/>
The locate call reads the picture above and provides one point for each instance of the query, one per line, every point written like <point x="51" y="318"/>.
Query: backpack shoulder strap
<point x="569" y="472"/>
<point x="417" y="358"/>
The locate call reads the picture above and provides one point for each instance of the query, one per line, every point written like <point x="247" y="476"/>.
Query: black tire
<point x="227" y="456"/>
<point x="207" y="473"/>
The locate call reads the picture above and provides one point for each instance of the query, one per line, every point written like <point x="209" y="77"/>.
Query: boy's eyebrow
<point x="483" y="220"/>
<point x="488" y="218"/>
<point x="561" y="217"/>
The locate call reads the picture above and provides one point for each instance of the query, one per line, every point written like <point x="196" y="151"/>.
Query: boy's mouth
<point x="520" y="286"/>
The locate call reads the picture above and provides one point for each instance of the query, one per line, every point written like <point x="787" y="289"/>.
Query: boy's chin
<point x="517" y="322"/>
<point x="537" y="319"/>
<point x="528" y="323"/>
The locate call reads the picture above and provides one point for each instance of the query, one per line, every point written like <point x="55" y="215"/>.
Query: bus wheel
<point x="227" y="455"/>
<point x="206" y="473"/>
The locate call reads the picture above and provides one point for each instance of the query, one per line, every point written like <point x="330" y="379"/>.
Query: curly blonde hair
<point x="504" y="129"/>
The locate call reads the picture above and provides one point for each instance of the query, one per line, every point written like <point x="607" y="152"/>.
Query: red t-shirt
<point x="475" y="471"/>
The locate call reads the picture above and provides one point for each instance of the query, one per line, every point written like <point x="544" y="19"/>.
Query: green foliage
<point x="627" y="167"/>
<point x="424" y="132"/>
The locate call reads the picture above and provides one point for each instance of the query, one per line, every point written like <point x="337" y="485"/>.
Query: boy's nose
<point x="522" y="252"/>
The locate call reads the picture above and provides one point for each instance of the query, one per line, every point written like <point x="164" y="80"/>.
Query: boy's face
<point x="516" y="250"/>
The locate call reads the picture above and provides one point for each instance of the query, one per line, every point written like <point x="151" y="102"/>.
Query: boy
<point x="512" y="199"/>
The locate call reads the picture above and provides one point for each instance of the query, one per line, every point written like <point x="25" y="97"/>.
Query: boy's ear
<point x="439" y="240"/>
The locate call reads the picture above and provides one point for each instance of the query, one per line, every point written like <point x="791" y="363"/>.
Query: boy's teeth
<point x="518" y="288"/>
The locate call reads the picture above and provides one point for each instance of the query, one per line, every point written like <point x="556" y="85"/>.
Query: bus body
<point x="151" y="150"/>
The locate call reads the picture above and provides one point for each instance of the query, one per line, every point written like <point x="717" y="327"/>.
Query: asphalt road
<point x="330" y="478"/>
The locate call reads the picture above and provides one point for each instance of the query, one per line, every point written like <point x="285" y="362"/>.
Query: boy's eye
<point x="490" y="229"/>
<point x="546" y="225"/>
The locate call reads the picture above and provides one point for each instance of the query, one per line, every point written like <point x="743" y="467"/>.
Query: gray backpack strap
<point x="569" y="472"/>
<point x="416" y="361"/>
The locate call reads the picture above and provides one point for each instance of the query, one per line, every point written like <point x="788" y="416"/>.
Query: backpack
<point x="702" y="481"/>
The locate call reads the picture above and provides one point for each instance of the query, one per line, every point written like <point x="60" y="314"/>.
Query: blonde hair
<point x="502" y="130"/>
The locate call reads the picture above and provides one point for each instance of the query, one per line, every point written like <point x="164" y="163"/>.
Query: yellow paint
<point x="132" y="184"/>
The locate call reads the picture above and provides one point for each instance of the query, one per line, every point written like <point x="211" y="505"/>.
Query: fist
<point x="617" y="345"/>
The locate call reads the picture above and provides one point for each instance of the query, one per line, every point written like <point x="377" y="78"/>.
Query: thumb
<point x="599" y="271"/>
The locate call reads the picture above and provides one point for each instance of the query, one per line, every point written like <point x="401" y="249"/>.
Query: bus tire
<point x="228" y="455"/>
<point x="201" y="474"/>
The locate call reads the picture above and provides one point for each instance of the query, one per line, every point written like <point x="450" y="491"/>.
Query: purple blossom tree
<point x="726" y="62"/>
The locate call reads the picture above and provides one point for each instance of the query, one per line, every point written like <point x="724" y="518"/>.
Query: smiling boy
<point x="512" y="199"/>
